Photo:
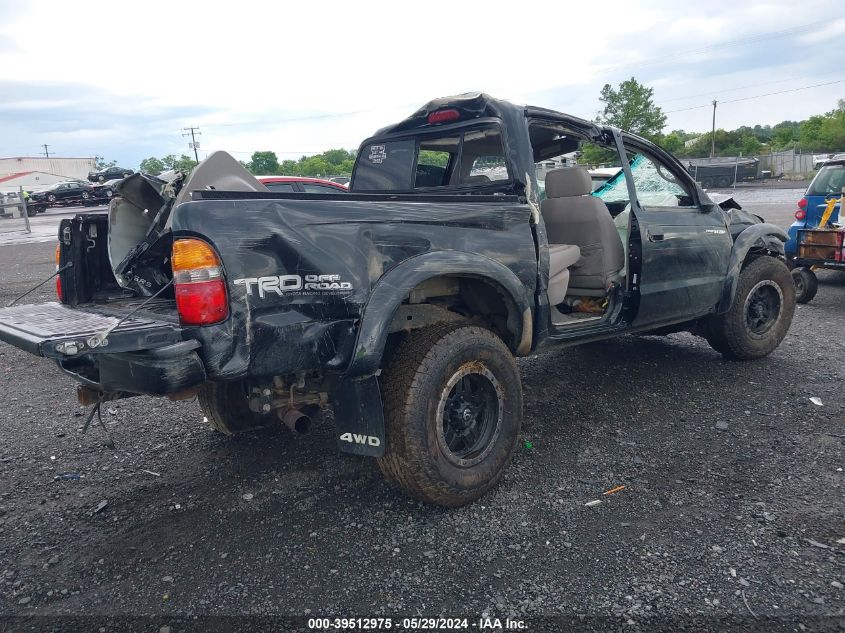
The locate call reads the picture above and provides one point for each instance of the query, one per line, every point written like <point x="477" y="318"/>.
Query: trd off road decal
<point x="286" y="285"/>
<point x="377" y="154"/>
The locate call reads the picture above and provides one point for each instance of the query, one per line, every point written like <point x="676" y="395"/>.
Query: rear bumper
<point x="108" y="353"/>
<point x="791" y="246"/>
<point x="158" y="372"/>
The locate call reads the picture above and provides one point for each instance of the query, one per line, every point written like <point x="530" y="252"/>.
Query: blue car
<point x="827" y="184"/>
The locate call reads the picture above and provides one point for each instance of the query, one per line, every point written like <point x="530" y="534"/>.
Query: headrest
<point x="567" y="182"/>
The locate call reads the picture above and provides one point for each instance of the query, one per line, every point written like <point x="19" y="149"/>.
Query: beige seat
<point x="561" y="257"/>
<point x="572" y="216"/>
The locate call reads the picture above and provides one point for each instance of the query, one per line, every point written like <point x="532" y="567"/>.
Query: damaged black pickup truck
<point x="403" y="303"/>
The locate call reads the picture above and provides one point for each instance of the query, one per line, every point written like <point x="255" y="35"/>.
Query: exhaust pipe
<point x="296" y="421"/>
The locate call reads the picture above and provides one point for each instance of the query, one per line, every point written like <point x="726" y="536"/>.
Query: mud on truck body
<point x="403" y="304"/>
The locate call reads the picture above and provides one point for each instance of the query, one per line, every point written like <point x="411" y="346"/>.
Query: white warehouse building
<point x="66" y="168"/>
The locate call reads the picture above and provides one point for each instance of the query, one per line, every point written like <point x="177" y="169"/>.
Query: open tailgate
<point x="57" y="331"/>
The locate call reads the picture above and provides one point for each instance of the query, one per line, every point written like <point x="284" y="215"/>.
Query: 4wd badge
<point x="377" y="154"/>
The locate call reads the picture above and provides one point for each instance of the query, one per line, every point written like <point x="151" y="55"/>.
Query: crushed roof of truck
<point x="474" y="105"/>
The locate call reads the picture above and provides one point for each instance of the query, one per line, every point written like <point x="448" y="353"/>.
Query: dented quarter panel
<point x="358" y="238"/>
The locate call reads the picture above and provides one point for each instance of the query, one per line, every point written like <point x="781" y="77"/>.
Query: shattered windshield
<point x="654" y="187"/>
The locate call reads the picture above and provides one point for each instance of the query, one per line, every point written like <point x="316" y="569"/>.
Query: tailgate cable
<point x="90" y="418"/>
<point x="39" y="284"/>
<point x="98" y="339"/>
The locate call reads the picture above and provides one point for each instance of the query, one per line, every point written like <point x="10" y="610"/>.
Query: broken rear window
<point x="459" y="159"/>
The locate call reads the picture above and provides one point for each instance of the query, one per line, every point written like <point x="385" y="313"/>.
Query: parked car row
<point x="80" y="191"/>
<point x="109" y="173"/>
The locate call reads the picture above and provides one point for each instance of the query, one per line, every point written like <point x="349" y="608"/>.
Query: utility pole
<point x="713" y="135"/>
<point x="193" y="144"/>
<point x="46" y="152"/>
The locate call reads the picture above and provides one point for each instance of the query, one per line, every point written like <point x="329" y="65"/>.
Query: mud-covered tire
<point x="760" y="315"/>
<point x="226" y="406"/>
<point x="423" y="386"/>
<point x="806" y="284"/>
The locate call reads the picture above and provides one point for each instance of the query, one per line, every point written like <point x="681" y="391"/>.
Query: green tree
<point x="100" y="163"/>
<point x="428" y="157"/>
<point x="595" y="155"/>
<point x="631" y="107"/>
<point x="152" y="165"/>
<point x="156" y="166"/>
<point x="337" y="156"/>
<point x="264" y="163"/>
<point x="672" y="143"/>
<point x="289" y="168"/>
<point x="785" y="134"/>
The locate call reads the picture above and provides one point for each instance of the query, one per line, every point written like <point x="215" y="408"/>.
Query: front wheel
<point x="760" y="315"/>
<point x="51" y="198"/>
<point x="806" y="284"/>
<point x="453" y="412"/>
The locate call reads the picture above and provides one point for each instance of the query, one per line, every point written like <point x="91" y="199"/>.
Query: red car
<point x="301" y="184"/>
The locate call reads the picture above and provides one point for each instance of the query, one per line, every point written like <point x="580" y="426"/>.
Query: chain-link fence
<point x="789" y="164"/>
<point x="14" y="214"/>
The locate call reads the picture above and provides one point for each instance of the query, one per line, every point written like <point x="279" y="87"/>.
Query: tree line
<point x="631" y="107"/>
<point x="333" y="162"/>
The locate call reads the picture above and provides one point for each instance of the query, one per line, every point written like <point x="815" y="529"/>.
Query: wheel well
<point x="760" y="251"/>
<point x="460" y="297"/>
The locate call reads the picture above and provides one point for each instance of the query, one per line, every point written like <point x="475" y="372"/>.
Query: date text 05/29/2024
<point x="417" y="624"/>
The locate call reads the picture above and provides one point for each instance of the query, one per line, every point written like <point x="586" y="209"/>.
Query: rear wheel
<point x="761" y="312"/>
<point x="806" y="284"/>
<point x="453" y="411"/>
<point x="226" y="406"/>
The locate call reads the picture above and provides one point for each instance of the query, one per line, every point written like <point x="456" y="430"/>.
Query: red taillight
<point x="800" y="214"/>
<point x="58" y="277"/>
<point x="441" y="116"/>
<point x="202" y="303"/>
<point x="802" y="203"/>
<point x="198" y="283"/>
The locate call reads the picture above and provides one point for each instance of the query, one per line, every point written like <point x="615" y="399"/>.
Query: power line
<point x="767" y="94"/>
<point x="719" y="92"/>
<point x="194" y="145"/>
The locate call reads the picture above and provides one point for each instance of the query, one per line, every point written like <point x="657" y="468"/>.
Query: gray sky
<point x="121" y="79"/>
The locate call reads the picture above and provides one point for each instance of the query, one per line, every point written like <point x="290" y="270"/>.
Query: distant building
<point x="77" y="168"/>
<point x="29" y="180"/>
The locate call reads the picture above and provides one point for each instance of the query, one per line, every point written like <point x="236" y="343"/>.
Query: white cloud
<point x="252" y="73"/>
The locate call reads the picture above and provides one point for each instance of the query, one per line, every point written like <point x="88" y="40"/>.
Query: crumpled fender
<point x="394" y="287"/>
<point x="764" y="237"/>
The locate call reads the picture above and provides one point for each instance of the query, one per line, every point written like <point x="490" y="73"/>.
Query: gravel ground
<point x="731" y="515"/>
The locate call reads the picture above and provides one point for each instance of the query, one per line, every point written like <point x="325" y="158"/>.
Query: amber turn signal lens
<point x="190" y="253"/>
<point x="58" y="278"/>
